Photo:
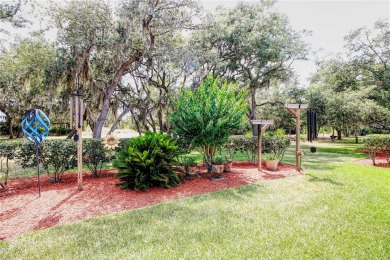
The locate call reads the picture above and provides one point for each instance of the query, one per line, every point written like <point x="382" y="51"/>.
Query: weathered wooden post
<point x="295" y="109"/>
<point x="262" y="127"/>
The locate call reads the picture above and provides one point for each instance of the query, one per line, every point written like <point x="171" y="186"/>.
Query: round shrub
<point x="147" y="161"/>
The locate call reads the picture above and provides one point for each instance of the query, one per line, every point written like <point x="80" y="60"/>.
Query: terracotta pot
<point x="227" y="167"/>
<point x="191" y="170"/>
<point x="217" y="168"/>
<point x="271" y="165"/>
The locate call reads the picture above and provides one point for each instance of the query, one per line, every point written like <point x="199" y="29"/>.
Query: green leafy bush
<point x="247" y="145"/>
<point x="276" y="144"/>
<point x="147" y="161"/>
<point x="57" y="130"/>
<point x="94" y="155"/>
<point x="56" y="156"/>
<point x="60" y="155"/>
<point x="376" y="143"/>
<point x="26" y="154"/>
<point x="218" y="160"/>
<point x="207" y="116"/>
<point x="188" y="161"/>
<point x="7" y="153"/>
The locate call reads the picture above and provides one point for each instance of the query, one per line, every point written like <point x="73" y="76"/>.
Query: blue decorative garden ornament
<point x="36" y="126"/>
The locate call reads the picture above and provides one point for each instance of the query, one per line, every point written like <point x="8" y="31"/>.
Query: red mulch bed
<point x="380" y="159"/>
<point x="22" y="210"/>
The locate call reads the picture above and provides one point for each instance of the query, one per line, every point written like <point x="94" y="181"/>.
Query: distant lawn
<point x="337" y="210"/>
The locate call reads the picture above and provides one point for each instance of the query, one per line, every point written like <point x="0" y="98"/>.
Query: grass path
<point x="337" y="210"/>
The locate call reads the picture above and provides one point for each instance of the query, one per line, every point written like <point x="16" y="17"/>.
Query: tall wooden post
<point x="262" y="127"/>
<point x="259" y="144"/>
<point x="298" y="140"/>
<point x="295" y="110"/>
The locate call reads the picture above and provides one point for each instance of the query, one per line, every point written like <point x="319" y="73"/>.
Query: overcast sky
<point x="329" y="21"/>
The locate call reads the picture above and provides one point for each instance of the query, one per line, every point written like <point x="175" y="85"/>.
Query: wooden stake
<point x="259" y="138"/>
<point x="298" y="140"/>
<point x="71" y="113"/>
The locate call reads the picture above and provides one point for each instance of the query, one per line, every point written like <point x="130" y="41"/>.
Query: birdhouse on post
<point x="295" y="110"/>
<point x="263" y="125"/>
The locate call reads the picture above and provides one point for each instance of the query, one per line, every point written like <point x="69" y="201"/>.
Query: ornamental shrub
<point x="147" y="161"/>
<point x="60" y="155"/>
<point x="57" y="130"/>
<point x="276" y="145"/>
<point x="55" y="155"/>
<point x="247" y="145"/>
<point x="206" y="116"/>
<point x="7" y="153"/>
<point x="94" y="155"/>
<point x="376" y="143"/>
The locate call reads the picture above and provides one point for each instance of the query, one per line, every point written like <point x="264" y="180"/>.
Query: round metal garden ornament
<point x="36" y="126"/>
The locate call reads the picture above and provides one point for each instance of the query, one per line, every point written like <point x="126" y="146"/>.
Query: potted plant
<point x="271" y="162"/>
<point x="217" y="165"/>
<point x="190" y="164"/>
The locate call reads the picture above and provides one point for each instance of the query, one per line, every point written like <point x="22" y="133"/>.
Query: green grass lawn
<point x="337" y="210"/>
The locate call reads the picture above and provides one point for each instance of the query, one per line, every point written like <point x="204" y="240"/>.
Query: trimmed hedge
<point x="56" y="156"/>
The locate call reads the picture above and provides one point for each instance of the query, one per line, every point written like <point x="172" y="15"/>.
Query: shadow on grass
<point x="326" y="158"/>
<point x="238" y="193"/>
<point x="327" y="180"/>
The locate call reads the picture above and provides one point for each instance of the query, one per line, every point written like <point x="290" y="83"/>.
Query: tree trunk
<point x="151" y="122"/>
<point x="136" y="123"/>
<point x="339" y="134"/>
<point x="167" y="124"/>
<point x="97" y="131"/>
<point x="253" y="111"/>
<point x="119" y="119"/>
<point x="20" y="132"/>
<point x="160" y="119"/>
<point x="10" y="130"/>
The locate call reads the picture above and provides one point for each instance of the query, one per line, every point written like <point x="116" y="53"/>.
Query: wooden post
<point x="262" y="127"/>
<point x="259" y="140"/>
<point x="295" y="110"/>
<point x="298" y="140"/>
<point x="71" y="112"/>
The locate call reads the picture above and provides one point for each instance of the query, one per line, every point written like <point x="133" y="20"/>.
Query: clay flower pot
<point x="271" y="165"/>
<point x="191" y="170"/>
<point x="217" y="168"/>
<point x="227" y="167"/>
